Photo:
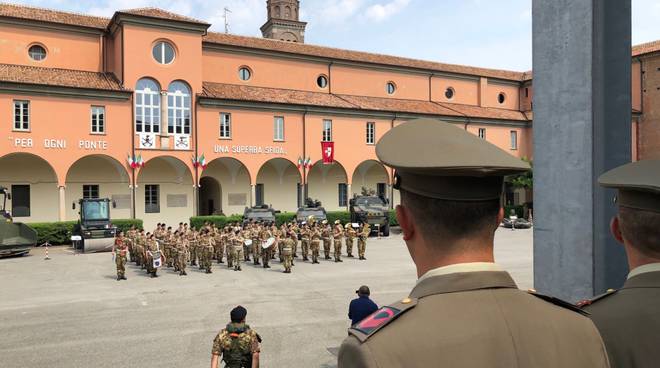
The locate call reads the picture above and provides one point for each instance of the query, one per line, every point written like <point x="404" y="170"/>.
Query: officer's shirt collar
<point x="461" y="267"/>
<point x="651" y="267"/>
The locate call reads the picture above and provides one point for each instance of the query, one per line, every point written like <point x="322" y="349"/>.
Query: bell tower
<point x="284" y="21"/>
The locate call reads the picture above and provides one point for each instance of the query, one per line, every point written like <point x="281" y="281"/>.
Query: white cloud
<point x="380" y="12"/>
<point x="334" y="12"/>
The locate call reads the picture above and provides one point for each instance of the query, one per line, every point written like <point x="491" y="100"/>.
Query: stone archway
<point x="278" y="183"/>
<point x="233" y="178"/>
<point x="98" y="176"/>
<point x="34" y="187"/>
<point x="371" y="175"/>
<point x="210" y="196"/>
<point x="326" y="182"/>
<point x="164" y="192"/>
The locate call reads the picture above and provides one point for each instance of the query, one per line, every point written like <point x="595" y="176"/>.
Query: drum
<point x="156" y="256"/>
<point x="268" y="243"/>
<point x="248" y="242"/>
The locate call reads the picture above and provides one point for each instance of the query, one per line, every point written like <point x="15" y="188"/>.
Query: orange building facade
<point x="169" y="120"/>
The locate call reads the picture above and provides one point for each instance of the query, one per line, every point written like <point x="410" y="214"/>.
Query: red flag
<point x="328" y="152"/>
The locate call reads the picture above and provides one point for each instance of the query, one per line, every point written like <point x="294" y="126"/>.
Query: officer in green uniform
<point x="465" y="310"/>
<point x="119" y="251"/>
<point x="237" y="344"/>
<point x="629" y="318"/>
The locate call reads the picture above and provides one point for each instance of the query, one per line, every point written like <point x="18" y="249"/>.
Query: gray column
<point x="582" y="127"/>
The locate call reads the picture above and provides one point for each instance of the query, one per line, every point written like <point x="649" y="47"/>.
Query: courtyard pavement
<point x="70" y="312"/>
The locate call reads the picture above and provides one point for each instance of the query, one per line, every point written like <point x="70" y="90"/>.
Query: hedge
<point x="57" y="233"/>
<point x="343" y="216"/>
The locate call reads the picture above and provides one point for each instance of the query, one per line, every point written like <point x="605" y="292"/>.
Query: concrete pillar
<point x="390" y="195"/>
<point x="253" y="195"/>
<point x="62" y="203"/>
<point x="349" y="195"/>
<point x="582" y="114"/>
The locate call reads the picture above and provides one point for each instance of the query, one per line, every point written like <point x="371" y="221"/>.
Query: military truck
<point x="263" y="213"/>
<point x="96" y="232"/>
<point x="15" y="238"/>
<point x="312" y="209"/>
<point x="373" y="210"/>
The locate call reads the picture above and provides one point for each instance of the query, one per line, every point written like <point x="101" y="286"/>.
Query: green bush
<point x="283" y="217"/>
<point x="55" y="233"/>
<point x="343" y="216"/>
<point x="219" y="221"/>
<point x="125" y="224"/>
<point x="393" y="221"/>
<point x="520" y="211"/>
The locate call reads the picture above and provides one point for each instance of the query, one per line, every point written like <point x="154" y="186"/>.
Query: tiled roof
<point x="162" y="14"/>
<point x="58" y="77"/>
<point x="52" y="16"/>
<point x="357" y="56"/>
<point x="646" y="48"/>
<point x="317" y="99"/>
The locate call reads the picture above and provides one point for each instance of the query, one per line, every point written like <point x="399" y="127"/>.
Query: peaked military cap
<point x="638" y="184"/>
<point x="443" y="161"/>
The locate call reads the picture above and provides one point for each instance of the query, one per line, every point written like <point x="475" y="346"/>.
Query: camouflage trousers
<point x="237" y="254"/>
<point x="256" y="250"/>
<point x="288" y="261"/>
<point x="207" y="258"/>
<point x="193" y="254"/>
<point x="304" y="246"/>
<point x="362" y="246"/>
<point x="219" y="251"/>
<point x="337" y="249"/>
<point x="120" y="261"/>
<point x="266" y="254"/>
<point x="182" y="261"/>
<point x="326" y="247"/>
<point x="316" y="245"/>
<point x="349" y="246"/>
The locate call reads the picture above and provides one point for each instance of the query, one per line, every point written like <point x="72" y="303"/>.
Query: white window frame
<point x="151" y="120"/>
<point x="151" y="198"/>
<point x="225" y="125"/>
<point x="39" y="58"/>
<point x="21" y="116"/>
<point x="482" y="133"/>
<point x="514" y="139"/>
<point x="178" y="114"/>
<point x="91" y="188"/>
<point x="97" y="124"/>
<point x="327" y="130"/>
<point x="278" y="128"/>
<point x="161" y="46"/>
<point x="371" y="132"/>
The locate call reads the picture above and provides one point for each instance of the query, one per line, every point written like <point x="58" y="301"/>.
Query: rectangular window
<point x="371" y="133"/>
<point x="327" y="130"/>
<point x="343" y="194"/>
<point x="278" y="128"/>
<point x="514" y="140"/>
<point x="91" y="191"/>
<point x="259" y="195"/>
<point x="98" y="119"/>
<point x="482" y="133"/>
<point x="225" y="125"/>
<point x="380" y="190"/>
<point x="20" y="200"/>
<point x="22" y="115"/>
<point x="152" y="198"/>
<point x="178" y="113"/>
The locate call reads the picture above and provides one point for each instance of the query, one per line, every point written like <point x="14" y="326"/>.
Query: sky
<point x="486" y="33"/>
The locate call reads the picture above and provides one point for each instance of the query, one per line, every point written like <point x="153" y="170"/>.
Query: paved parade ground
<point x="70" y="311"/>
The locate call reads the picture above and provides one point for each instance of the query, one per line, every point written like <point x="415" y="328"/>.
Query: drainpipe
<point x="330" y="77"/>
<point x="430" y="94"/>
<point x="133" y="156"/>
<point x="304" y="148"/>
<point x="196" y="180"/>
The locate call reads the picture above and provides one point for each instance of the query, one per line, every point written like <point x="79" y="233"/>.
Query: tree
<point x="524" y="180"/>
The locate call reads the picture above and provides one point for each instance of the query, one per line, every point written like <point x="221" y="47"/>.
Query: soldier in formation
<point x="119" y="251"/>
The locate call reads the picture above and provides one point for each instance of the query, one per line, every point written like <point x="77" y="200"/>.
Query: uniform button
<point x="406" y="301"/>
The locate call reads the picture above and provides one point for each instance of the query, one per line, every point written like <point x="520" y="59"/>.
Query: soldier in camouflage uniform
<point x="220" y="240"/>
<point x="264" y="235"/>
<point x="207" y="249"/>
<point x="130" y="241"/>
<point x="325" y="234"/>
<point x="287" y="250"/>
<point x="362" y="240"/>
<point x="191" y="235"/>
<point x="350" y="236"/>
<point x="256" y="244"/>
<point x="237" y="344"/>
<point x="119" y="250"/>
<point x="337" y="234"/>
<point x="246" y="233"/>
<point x="140" y="241"/>
<point x="151" y="247"/>
<point x="316" y="244"/>
<point x="305" y="241"/>
<point x="182" y="254"/>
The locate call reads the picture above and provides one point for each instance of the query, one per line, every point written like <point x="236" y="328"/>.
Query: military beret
<point x="638" y="184"/>
<point x="443" y="161"/>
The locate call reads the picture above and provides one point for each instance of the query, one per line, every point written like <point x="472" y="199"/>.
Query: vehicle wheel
<point x="386" y="230"/>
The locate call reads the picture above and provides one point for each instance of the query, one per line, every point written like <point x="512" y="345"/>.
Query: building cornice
<point x="141" y="20"/>
<point x="49" y="26"/>
<point x="64" y="92"/>
<point x="319" y="110"/>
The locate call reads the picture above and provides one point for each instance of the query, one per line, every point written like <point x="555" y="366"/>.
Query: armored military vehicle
<point x="263" y="213"/>
<point x="96" y="232"/>
<point x="373" y="210"/>
<point x="15" y="238"/>
<point x="311" y="210"/>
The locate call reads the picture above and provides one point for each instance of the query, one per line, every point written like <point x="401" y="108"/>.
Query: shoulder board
<point x="559" y="302"/>
<point x="380" y="318"/>
<point x="588" y="302"/>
